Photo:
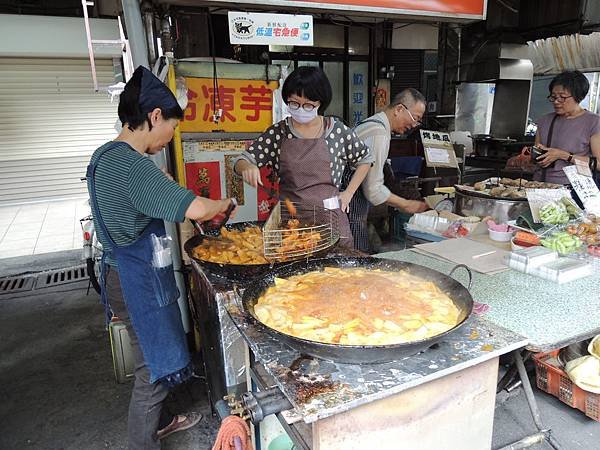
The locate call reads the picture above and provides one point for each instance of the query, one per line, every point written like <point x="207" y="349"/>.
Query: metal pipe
<point x="264" y="403"/>
<point x="222" y="408"/>
<point x="166" y="39"/>
<point x="526" y="442"/>
<point x="135" y="32"/>
<point x="139" y="53"/>
<point x="148" y="18"/>
<point x="535" y="412"/>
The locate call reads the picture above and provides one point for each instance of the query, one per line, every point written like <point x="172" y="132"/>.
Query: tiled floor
<point x="37" y="228"/>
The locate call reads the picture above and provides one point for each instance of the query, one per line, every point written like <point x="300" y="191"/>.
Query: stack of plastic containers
<point x="545" y="263"/>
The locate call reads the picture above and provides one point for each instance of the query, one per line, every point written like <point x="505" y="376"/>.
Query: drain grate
<point x="62" y="276"/>
<point x="16" y="284"/>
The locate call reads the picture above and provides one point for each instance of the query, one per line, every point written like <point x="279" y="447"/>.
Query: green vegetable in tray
<point x="562" y="242"/>
<point x="554" y="214"/>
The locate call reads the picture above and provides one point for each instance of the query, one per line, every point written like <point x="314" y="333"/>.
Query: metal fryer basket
<point x="317" y="230"/>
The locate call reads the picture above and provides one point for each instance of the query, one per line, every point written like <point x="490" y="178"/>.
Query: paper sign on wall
<point x="270" y="29"/>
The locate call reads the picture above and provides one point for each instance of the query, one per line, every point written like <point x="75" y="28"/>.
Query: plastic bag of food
<point x="572" y="209"/>
<point x="585" y="373"/>
<point x="554" y="213"/>
<point x="562" y="242"/>
<point x="455" y="230"/>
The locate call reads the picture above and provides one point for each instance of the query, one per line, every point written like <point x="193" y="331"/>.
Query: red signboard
<point x="459" y="7"/>
<point x="443" y="9"/>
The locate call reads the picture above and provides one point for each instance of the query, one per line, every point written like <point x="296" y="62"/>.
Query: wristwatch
<point x="570" y="158"/>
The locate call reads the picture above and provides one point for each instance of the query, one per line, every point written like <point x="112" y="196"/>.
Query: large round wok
<point x="357" y="353"/>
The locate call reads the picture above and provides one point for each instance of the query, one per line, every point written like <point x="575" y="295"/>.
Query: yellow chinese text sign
<point x="246" y="105"/>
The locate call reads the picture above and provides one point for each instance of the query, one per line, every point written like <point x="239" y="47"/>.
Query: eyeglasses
<point x="305" y="106"/>
<point x="417" y="122"/>
<point x="558" y="98"/>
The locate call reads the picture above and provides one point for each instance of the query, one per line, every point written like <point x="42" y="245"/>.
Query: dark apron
<point x="359" y="206"/>
<point x="150" y="294"/>
<point x="305" y="174"/>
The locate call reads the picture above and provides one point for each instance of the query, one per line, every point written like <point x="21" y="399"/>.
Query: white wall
<point x="415" y="37"/>
<point x="54" y="37"/>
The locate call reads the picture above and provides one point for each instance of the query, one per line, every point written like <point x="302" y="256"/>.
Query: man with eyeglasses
<point x="402" y="114"/>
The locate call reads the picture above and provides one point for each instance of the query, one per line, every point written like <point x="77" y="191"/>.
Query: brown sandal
<point x="179" y="423"/>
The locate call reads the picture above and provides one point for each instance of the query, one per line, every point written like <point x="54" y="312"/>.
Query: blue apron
<point x="150" y="294"/>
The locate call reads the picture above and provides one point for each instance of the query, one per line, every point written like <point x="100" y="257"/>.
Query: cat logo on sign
<point x="243" y="27"/>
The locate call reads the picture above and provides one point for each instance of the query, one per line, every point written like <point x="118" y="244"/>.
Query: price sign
<point x="586" y="189"/>
<point x="438" y="149"/>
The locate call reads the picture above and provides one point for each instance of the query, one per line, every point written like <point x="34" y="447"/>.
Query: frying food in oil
<point x="354" y="306"/>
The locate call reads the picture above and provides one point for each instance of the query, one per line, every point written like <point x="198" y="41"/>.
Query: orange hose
<point x="231" y="427"/>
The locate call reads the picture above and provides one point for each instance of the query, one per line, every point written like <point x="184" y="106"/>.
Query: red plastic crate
<point x="552" y="379"/>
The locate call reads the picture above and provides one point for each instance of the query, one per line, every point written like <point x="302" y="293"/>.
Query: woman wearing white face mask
<point x="309" y="152"/>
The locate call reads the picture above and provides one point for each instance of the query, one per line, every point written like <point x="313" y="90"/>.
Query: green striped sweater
<point x="131" y="191"/>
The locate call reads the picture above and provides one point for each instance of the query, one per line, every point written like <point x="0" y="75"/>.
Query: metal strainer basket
<point x="316" y="231"/>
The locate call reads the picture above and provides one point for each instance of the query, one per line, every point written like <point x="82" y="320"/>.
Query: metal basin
<point x="501" y="210"/>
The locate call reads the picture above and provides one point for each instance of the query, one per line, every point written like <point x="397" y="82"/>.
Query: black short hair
<point x="310" y="82"/>
<point x="408" y="97"/>
<point x="129" y="110"/>
<point x="573" y="81"/>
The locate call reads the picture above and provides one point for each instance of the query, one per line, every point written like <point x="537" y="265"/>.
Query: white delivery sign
<point x="270" y="29"/>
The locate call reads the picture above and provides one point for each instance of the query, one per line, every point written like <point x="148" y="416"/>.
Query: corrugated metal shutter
<point x="50" y="123"/>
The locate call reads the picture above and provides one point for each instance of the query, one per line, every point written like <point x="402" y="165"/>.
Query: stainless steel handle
<point x="462" y="266"/>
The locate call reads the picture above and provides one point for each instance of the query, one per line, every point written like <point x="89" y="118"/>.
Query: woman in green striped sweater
<point x="130" y="199"/>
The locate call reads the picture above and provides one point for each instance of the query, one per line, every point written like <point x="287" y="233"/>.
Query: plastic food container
<point x="528" y="259"/>
<point x="500" y="236"/>
<point x="563" y="270"/>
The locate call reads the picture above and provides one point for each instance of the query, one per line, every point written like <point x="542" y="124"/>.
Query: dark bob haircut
<point x="309" y="82"/>
<point x="130" y="111"/>
<point x="573" y="81"/>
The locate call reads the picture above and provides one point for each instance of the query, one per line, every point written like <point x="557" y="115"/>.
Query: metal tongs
<point x="216" y="224"/>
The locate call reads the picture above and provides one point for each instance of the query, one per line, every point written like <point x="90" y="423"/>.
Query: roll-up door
<point x="51" y="121"/>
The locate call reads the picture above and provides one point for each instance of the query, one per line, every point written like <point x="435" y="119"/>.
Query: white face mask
<point x="302" y="116"/>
